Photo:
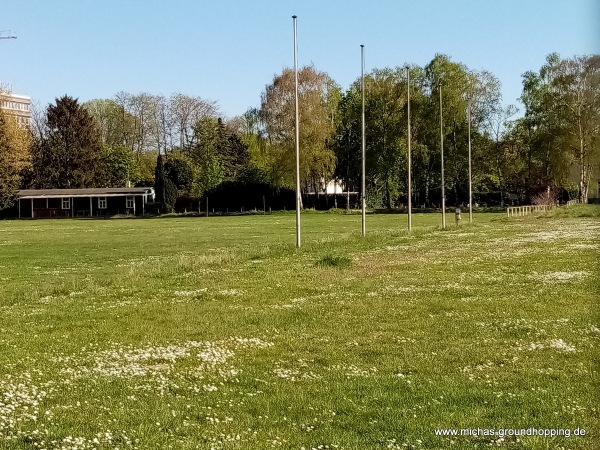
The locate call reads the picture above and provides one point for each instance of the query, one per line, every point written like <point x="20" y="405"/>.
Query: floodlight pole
<point x="409" y="152"/>
<point x="442" y="156"/>
<point x="364" y="165"/>
<point x="298" y="195"/>
<point x="470" y="179"/>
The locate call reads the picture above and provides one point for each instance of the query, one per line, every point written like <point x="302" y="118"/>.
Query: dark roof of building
<point x="91" y="192"/>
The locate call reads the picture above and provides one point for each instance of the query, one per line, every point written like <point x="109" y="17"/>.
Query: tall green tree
<point x="121" y="165"/>
<point x="419" y="123"/>
<point x="453" y="79"/>
<point x="165" y="190"/>
<point x="317" y="108"/>
<point x="159" y="181"/>
<point x="385" y="136"/>
<point x="205" y="153"/>
<point x="540" y="126"/>
<point x="386" y="131"/>
<point x="575" y="93"/>
<point x="251" y="131"/>
<point x="347" y="146"/>
<point x="219" y="153"/>
<point x="514" y="156"/>
<point x="69" y="153"/>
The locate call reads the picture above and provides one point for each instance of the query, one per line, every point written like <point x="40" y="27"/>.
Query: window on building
<point x="130" y="202"/>
<point x="66" y="203"/>
<point x="101" y="202"/>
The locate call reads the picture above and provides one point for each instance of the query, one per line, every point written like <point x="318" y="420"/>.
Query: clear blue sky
<point x="228" y="51"/>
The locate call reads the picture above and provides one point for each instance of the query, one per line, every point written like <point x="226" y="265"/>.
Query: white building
<point x="331" y="187"/>
<point x="18" y="106"/>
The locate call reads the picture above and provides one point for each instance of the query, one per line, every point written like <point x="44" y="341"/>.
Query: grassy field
<point x="184" y="333"/>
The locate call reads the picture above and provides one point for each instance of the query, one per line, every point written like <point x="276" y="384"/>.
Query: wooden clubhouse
<point x="49" y="203"/>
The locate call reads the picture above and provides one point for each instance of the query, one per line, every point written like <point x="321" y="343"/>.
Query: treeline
<point x="183" y="147"/>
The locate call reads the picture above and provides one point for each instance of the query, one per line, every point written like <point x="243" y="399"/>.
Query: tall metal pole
<point x="409" y="152"/>
<point x="364" y="165"/>
<point x="470" y="179"/>
<point x="442" y="156"/>
<point x="298" y="195"/>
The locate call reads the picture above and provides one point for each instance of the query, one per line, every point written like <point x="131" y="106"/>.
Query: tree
<point x="219" y="153"/>
<point x="115" y="125"/>
<point x="540" y="128"/>
<point x="180" y="170"/>
<point x="187" y="112"/>
<point x="120" y="166"/>
<point x="251" y="130"/>
<point x="489" y="123"/>
<point x="317" y="106"/>
<point x="385" y="129"/>
<point x="159" y="180"/>
<point x="386" y="132"/>
<point x="562" y="103"/>
<point x="205" y="153"/>
<point x="575" y="91"/>
<point x="347" y="146"/>
<point x="233" y="153"/>
<point x="160" y="123"/>
<point x="15" y="146"/>
<point x="165" y="190"/>
<point x="514" y="157"/>
<point x="454" y="79"/>
<point x="163" y="121"/>
<point x="69" y="153"/>
<point x="143" y="131"/>
<point x="146" y="164"/>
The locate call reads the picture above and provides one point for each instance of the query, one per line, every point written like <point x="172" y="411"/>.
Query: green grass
<point x="185" y="332"/>
<point x="335" y="261"/>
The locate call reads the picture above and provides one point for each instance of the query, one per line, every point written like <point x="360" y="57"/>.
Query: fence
<point x="572" y="202"/>
<point x="515" y="211"/>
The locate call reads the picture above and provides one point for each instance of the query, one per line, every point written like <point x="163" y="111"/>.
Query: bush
<point x="548" y="197"/>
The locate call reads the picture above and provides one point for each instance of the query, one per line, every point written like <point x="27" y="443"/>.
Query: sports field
<point x="193" y="332"/>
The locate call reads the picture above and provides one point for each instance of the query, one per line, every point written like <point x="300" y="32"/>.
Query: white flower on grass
<point x="578" y="246"/>
<point x="559" y="277"/>
<point x="562" y="346"/>
<point x="293" y="303"/>
<point x="535" y="346"/>
<point x="190" y="293"/>
<point x="350" y="370"/>
<point x="157" y="362"/>
<point x="231" y="292"/>
<point x="556" y="344"/>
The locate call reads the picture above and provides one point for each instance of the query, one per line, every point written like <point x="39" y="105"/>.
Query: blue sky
<point x="228" y="51"/>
